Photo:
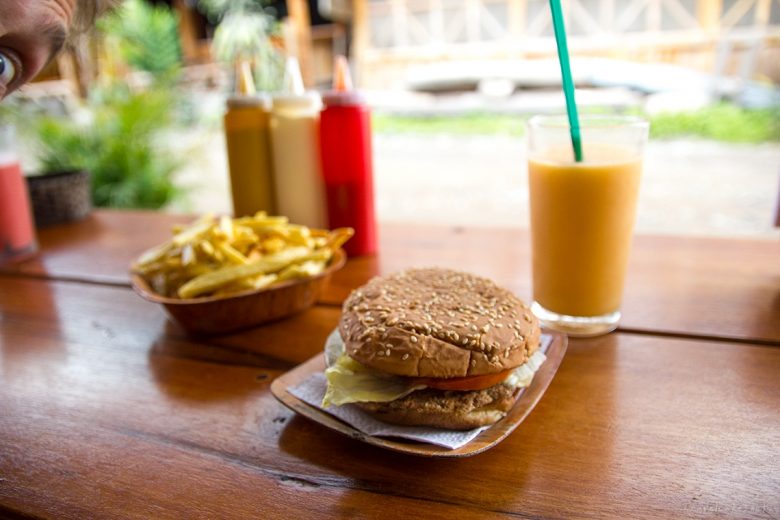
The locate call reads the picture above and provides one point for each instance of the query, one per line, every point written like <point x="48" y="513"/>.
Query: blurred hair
<point x="88" y="11"/>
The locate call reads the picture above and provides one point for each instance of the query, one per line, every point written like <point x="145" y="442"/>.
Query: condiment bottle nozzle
<point x="293" y="82"/>
<point x="342" y="79"/>
<point x="246" y="81"/>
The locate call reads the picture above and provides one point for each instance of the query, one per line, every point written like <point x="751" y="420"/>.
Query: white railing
<point x="444" y="26"/>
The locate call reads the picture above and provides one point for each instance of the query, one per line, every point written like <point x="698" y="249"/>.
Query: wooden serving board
<point x="484" y="441"/>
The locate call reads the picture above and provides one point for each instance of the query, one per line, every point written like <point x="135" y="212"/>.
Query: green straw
<point x="568" y="83"/>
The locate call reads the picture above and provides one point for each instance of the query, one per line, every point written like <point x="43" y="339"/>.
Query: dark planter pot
<point x="59" y="197"/>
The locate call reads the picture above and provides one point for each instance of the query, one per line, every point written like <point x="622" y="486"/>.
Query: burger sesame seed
<point x="485" y="328"/>
<point x="465" y="341"/>
<point x="454" y="336"/>
<point x="405" y="357"/>
<point x="387" y="352"/>
<point x="380" y="353"/>
<point x="392" y="321"/>
<point x="413" y="339"/>
<point x="499" y="325"/>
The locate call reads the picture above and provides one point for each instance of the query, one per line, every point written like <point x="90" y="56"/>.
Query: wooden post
<point x="187" y="34"/>
<point x="361" y="41"/>
<point x="708" y="14"/>
<point x="518" y="13"/>
<point x="763" y="11"/>
<point x="607" y="16"/>
<point x="653" y="16"/>
<point x="298" y="11"/>
<point x="473" y="20"/>
<point x="436" y="22"/>
<point x="400" y="24"/>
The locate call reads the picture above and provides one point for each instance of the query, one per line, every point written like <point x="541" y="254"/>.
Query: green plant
<point x="243" y="33"/>
<point x="721" y="122"/>
<point x="119" y="144"/>
<point x="147" y="38"/>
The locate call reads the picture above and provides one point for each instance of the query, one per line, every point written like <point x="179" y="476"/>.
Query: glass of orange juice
<point x="582" y="217"/>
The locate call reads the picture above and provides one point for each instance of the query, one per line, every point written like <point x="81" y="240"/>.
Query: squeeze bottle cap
<point x="342" y="93"/>
<point x="293" y="95"/>
<point x="246" y="95"/>
<point x="342" y="79"/>
<point x="245" y="82"/>
<point x="293" y="82"/>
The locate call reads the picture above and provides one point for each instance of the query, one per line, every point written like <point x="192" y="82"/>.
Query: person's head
<point x="33" y="31"/>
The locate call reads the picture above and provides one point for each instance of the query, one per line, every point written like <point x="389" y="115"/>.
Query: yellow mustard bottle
<point x="248" y="140"/>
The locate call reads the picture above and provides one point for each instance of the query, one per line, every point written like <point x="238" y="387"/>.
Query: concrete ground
<point x="689" y="187"/>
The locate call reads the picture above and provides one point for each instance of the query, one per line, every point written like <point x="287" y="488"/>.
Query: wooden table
<point x="107" y="409"/>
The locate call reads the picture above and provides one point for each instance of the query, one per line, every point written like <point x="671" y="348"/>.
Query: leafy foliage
<point x="147" y="37"/>
<point x="722" y="122"/>
<point x="118" y="144"/>
<point x="244" y="33"/>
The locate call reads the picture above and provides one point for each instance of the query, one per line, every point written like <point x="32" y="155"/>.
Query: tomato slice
<point x="464" y="383"/>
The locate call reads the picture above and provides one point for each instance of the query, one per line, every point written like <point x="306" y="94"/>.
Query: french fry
<point x="302" y="270"/>
<point x="231" y="254"/>
<point x="219" y="255"/>
<point x="270" y="264"/>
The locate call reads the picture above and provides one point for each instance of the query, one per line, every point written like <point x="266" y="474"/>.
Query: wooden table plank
<point x="701" y="287"/>
<point x="99" y="248"/>
<point x="102" y="316"/>
<point x="65" y="470"/>
<point x="104" y="412"/>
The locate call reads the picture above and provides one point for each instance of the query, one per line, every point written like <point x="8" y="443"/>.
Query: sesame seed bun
<point x="437" y="323"/>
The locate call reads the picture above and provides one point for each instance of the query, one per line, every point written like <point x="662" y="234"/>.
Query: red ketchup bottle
<point x="345" y="150"/>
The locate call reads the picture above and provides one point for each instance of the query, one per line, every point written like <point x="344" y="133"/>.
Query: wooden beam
<point x="187" y="34"/>
<point x="518" y="13"/>
<point x="436" y="21"/>
<point x="708" y="14"/>
<point x="298" y="11"/>
<point x="361" y="35"/>
<point x="763" y="12"/>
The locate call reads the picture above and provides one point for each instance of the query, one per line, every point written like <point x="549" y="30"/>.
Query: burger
<point x="432" y="347"/>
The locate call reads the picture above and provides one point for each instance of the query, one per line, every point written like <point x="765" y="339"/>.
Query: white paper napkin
<point x="312" y="389"/>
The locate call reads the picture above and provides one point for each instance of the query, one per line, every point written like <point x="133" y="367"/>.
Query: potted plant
<point x="117" y="140"/>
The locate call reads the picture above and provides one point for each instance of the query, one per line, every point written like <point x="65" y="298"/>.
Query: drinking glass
<point x="582" y="217"/>
<point x="17" y="237"/>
